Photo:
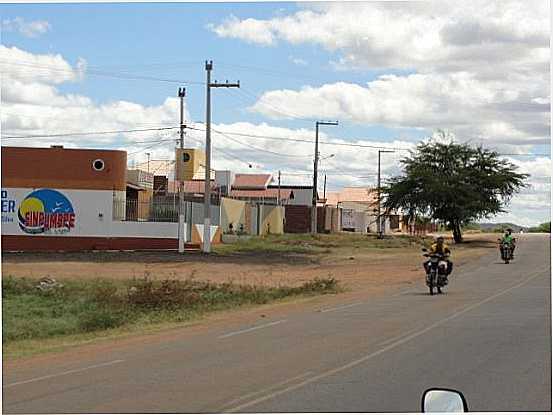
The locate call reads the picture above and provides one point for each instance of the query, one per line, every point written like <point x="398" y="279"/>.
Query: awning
<point x="135" y="187"/>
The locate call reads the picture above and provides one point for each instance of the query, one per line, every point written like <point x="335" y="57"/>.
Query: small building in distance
<point x="359" y="210"/>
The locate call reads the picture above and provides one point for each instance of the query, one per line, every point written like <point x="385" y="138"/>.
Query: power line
<point x="88" y="133"/>
<point x="258" y="148"/>
<point x="226" y="134"/>
<point x="145" y="148"/>
<point x="53" y="117"/>
<point x="222" y="151"/>
<point x="286" y="114"/>
<point x="120" y="75"/>
<point x="299" y="140"/>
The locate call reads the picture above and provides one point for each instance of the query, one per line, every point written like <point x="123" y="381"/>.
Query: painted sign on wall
<point x="46" y="211"/>
<point x="56" y="212"/>
<point x="8" y="207"/>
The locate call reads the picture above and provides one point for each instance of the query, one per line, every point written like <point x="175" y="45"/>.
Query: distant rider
<point x="440" y="248"/>
<point x="509" y="239"/>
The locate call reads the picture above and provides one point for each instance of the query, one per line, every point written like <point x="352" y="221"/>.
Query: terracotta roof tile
<point x="352" y="194"/>
<point x="251" y="181"/>
<point x="266" y="193"/>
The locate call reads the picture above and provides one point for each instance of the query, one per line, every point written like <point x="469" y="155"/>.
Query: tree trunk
<point x="457" y="235"/>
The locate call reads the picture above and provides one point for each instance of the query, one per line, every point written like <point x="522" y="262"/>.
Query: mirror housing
<point x="443" y="400"/>
<point x="424" y="250"/>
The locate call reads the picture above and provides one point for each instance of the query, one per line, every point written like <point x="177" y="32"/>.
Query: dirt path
<point x="356" y="268"/>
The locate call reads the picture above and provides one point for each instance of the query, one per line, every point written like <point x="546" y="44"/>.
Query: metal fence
<point x="148" y="211"/>
<point x="162" y="210"/>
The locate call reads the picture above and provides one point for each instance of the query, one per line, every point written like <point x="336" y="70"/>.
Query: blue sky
<point x="392" y="73"/>
<point x="172" y="41"/>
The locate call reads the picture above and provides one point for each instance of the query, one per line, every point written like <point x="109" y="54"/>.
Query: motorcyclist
<point x="509" y="239"/>
<point x="440" y="248"/>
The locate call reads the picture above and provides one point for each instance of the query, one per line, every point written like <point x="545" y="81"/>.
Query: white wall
<point x="146" y="229"/>
<point x="302" y="197"/>
<point x="93" y="216"/>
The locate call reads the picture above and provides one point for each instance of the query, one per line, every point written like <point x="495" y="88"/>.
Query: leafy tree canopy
<point x="454" y="183"/>
<point x="543" y="228"/>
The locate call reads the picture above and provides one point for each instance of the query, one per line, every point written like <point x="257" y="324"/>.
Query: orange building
<point x="63" y="199"/>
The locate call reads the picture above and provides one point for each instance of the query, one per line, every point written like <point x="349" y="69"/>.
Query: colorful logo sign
<point x="8" y="207"/>
<point x="46" y="211"/>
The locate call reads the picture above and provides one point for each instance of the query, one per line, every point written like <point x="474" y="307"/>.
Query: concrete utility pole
<point x="315" y="173"/>
<point x="206" y="246"/>
<point x="182" y="94"/>
<point x="379" y="218"/>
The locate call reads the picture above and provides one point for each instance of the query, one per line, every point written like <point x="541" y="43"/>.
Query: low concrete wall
<point x="12" y="243"/>
<point x="233" y="212"/>
<point x="146" y="230"/>
<point x="272" y="220"/>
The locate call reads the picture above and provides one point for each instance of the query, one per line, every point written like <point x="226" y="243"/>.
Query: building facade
<point x="65" y="199"/>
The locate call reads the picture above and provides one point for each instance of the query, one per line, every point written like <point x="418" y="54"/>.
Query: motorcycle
<point x="506" y="251"/>
<point x="436" y="278"/>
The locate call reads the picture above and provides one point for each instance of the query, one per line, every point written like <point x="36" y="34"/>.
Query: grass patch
<point x="87" y="307"/>
<point x="317" y="244"/>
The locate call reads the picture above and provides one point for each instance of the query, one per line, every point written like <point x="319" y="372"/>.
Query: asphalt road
<point x="488" y="336"/>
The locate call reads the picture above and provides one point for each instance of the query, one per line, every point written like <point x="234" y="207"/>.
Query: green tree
<point x="454" y="183"/>
<point x="543" y="228"/>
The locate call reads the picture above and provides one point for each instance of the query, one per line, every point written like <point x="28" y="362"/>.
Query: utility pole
<point x="148" y="165"/>
<point x="278" y="202"/>
<point x="324" y="189"/>
<point x="182" y="94"/>
<point x="315" y="173"/>
<point x="379" y="217"/>
<point x="206" y="247"/>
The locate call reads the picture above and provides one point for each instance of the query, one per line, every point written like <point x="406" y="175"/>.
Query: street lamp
<point x="327" y="157"/>
<point x="148" y="168"/>
<point x="379" y="218"/>
<point x="315" y="167"/>
<point x="324" y="187"/>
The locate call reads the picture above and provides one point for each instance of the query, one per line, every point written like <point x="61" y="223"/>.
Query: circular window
<point x="98" y="165"/>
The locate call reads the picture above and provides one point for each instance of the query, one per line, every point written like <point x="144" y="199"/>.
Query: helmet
<point x="440" y="239"/>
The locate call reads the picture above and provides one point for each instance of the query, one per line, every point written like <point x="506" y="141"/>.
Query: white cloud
<point x="32" y="104"/>
<point x="27" y="67"/>
<point x="31" y="29"/>
<point x="480" y="110"/>
<point x="298" y="61"/>
<point x="532" y="205"/>
<point x="251" y="30"/>
<point x="480" y="69"/>
<point x="420" y="35"/>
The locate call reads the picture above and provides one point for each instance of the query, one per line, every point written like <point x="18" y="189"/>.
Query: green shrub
<point x="100" y="319"/>
<point x="16" y="286"/>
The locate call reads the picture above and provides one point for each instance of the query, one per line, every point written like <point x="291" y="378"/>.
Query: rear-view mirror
<point x="443" y="400"/>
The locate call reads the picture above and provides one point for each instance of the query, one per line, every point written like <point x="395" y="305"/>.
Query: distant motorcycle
<point x="436" y="277"/>
<point x="506" y="251"/>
